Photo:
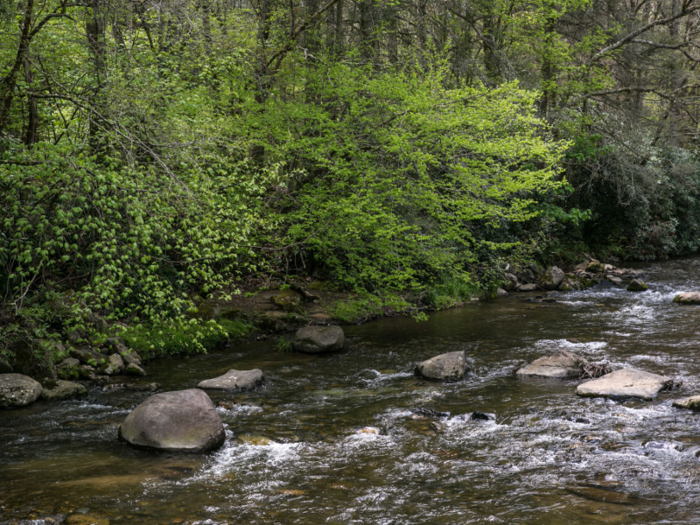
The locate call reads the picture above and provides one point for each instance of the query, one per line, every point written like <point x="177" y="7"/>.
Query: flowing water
<point x="333" y="439"/>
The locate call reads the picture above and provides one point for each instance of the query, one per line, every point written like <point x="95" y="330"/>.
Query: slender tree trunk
<point x="9" y="82"/>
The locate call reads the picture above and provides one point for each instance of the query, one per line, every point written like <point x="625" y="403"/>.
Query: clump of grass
<point x="285" y="345"/>
<point x="183" y="337"/>
<point x="448" y="292"/>
<point x="361" y="309"/>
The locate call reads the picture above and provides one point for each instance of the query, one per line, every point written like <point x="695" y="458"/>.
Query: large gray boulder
<point x="628" y="382"/>
<point x="561" y="365"/>
<point x="181" y="421"/>
<point x="58" y="390"/>
<point x="691" y="403"/>
<point x="319" y="339"/>
<point x="17" y="390"/>
<point x="235" y="380"/>
<point x="687" y="298"/>
<point x="445" y="367"/>
<point x="552" y="278"/>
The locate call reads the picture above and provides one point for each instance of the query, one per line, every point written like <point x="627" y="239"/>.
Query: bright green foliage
<point x="395" y="172"/>
<point x="365" y="307"/>
<point x="183" y="337"/>
<point x="130" y="241"/>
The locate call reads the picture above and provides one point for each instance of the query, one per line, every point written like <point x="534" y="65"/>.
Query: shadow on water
<point x="333" y="439"/>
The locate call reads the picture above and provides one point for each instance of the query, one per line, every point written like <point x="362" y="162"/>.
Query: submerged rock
<point x="181" y="421"/>
<point x="319" y="339"/>
<point x="628" y="382"/>
<point x="235" y="380"/>
<point x="691" y="403"/>
<point x="17" y="390"/>
<point x="687" y="298"/>
<point x="561" y="365"/>
<point x="527" y="287"/>
<point x="132" y="369"/>
<point x="445" y="367"/>
<point x="429" y="412"/>
<point x="58" y="390"/>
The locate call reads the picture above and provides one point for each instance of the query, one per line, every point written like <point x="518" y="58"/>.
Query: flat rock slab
<point x="445" y="367"/>
<point x="181" y="421"/>
<point x="561" y="365"/>
<point x="319" y="339"/>
<point x="17" y="390"/>
<point x="627" y="382"/>
<point x="691" y="403"/>
<point x="235" y="380"/>
<point x="687" y="298"/>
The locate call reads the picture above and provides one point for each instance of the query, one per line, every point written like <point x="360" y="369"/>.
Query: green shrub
<point x="183" y="337"/>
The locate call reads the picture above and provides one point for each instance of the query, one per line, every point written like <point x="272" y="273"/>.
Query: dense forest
<point x="154" y="152"/>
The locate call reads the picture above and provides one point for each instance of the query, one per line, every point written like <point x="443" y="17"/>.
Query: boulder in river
<point x="561" y="365"/>
<point x="552" y="278"/>
<point x="445" y="367"/>
<point x="58" y="390"/>
<point x="235" y="380"/>
<point x="628" y="382"/>
<point x="691" y="403"/>
<point x="637" y="286"/>
<point x="17" y="390"/>
<point x="181" y="421"/>
<point x="687" y="298"/>
<point x="319" y="339"/>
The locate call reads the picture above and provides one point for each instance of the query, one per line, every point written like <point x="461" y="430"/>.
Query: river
<point x="332" y="439"/>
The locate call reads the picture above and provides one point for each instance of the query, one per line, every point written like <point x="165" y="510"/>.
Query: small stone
<point x="594" y="266"/>
<point x="133" y="369"/>
<point x="116" y="365"/>
<point x="500" y="292"/>
<point x="240" y="380"/>
<point x="130" y="357"/>
<point x="90" y="357"/>
<point x="527" y="287"/>
<point x="615" y="280"/>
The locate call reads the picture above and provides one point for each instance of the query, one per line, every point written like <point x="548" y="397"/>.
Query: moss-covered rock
<point x="637" y="286"/>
